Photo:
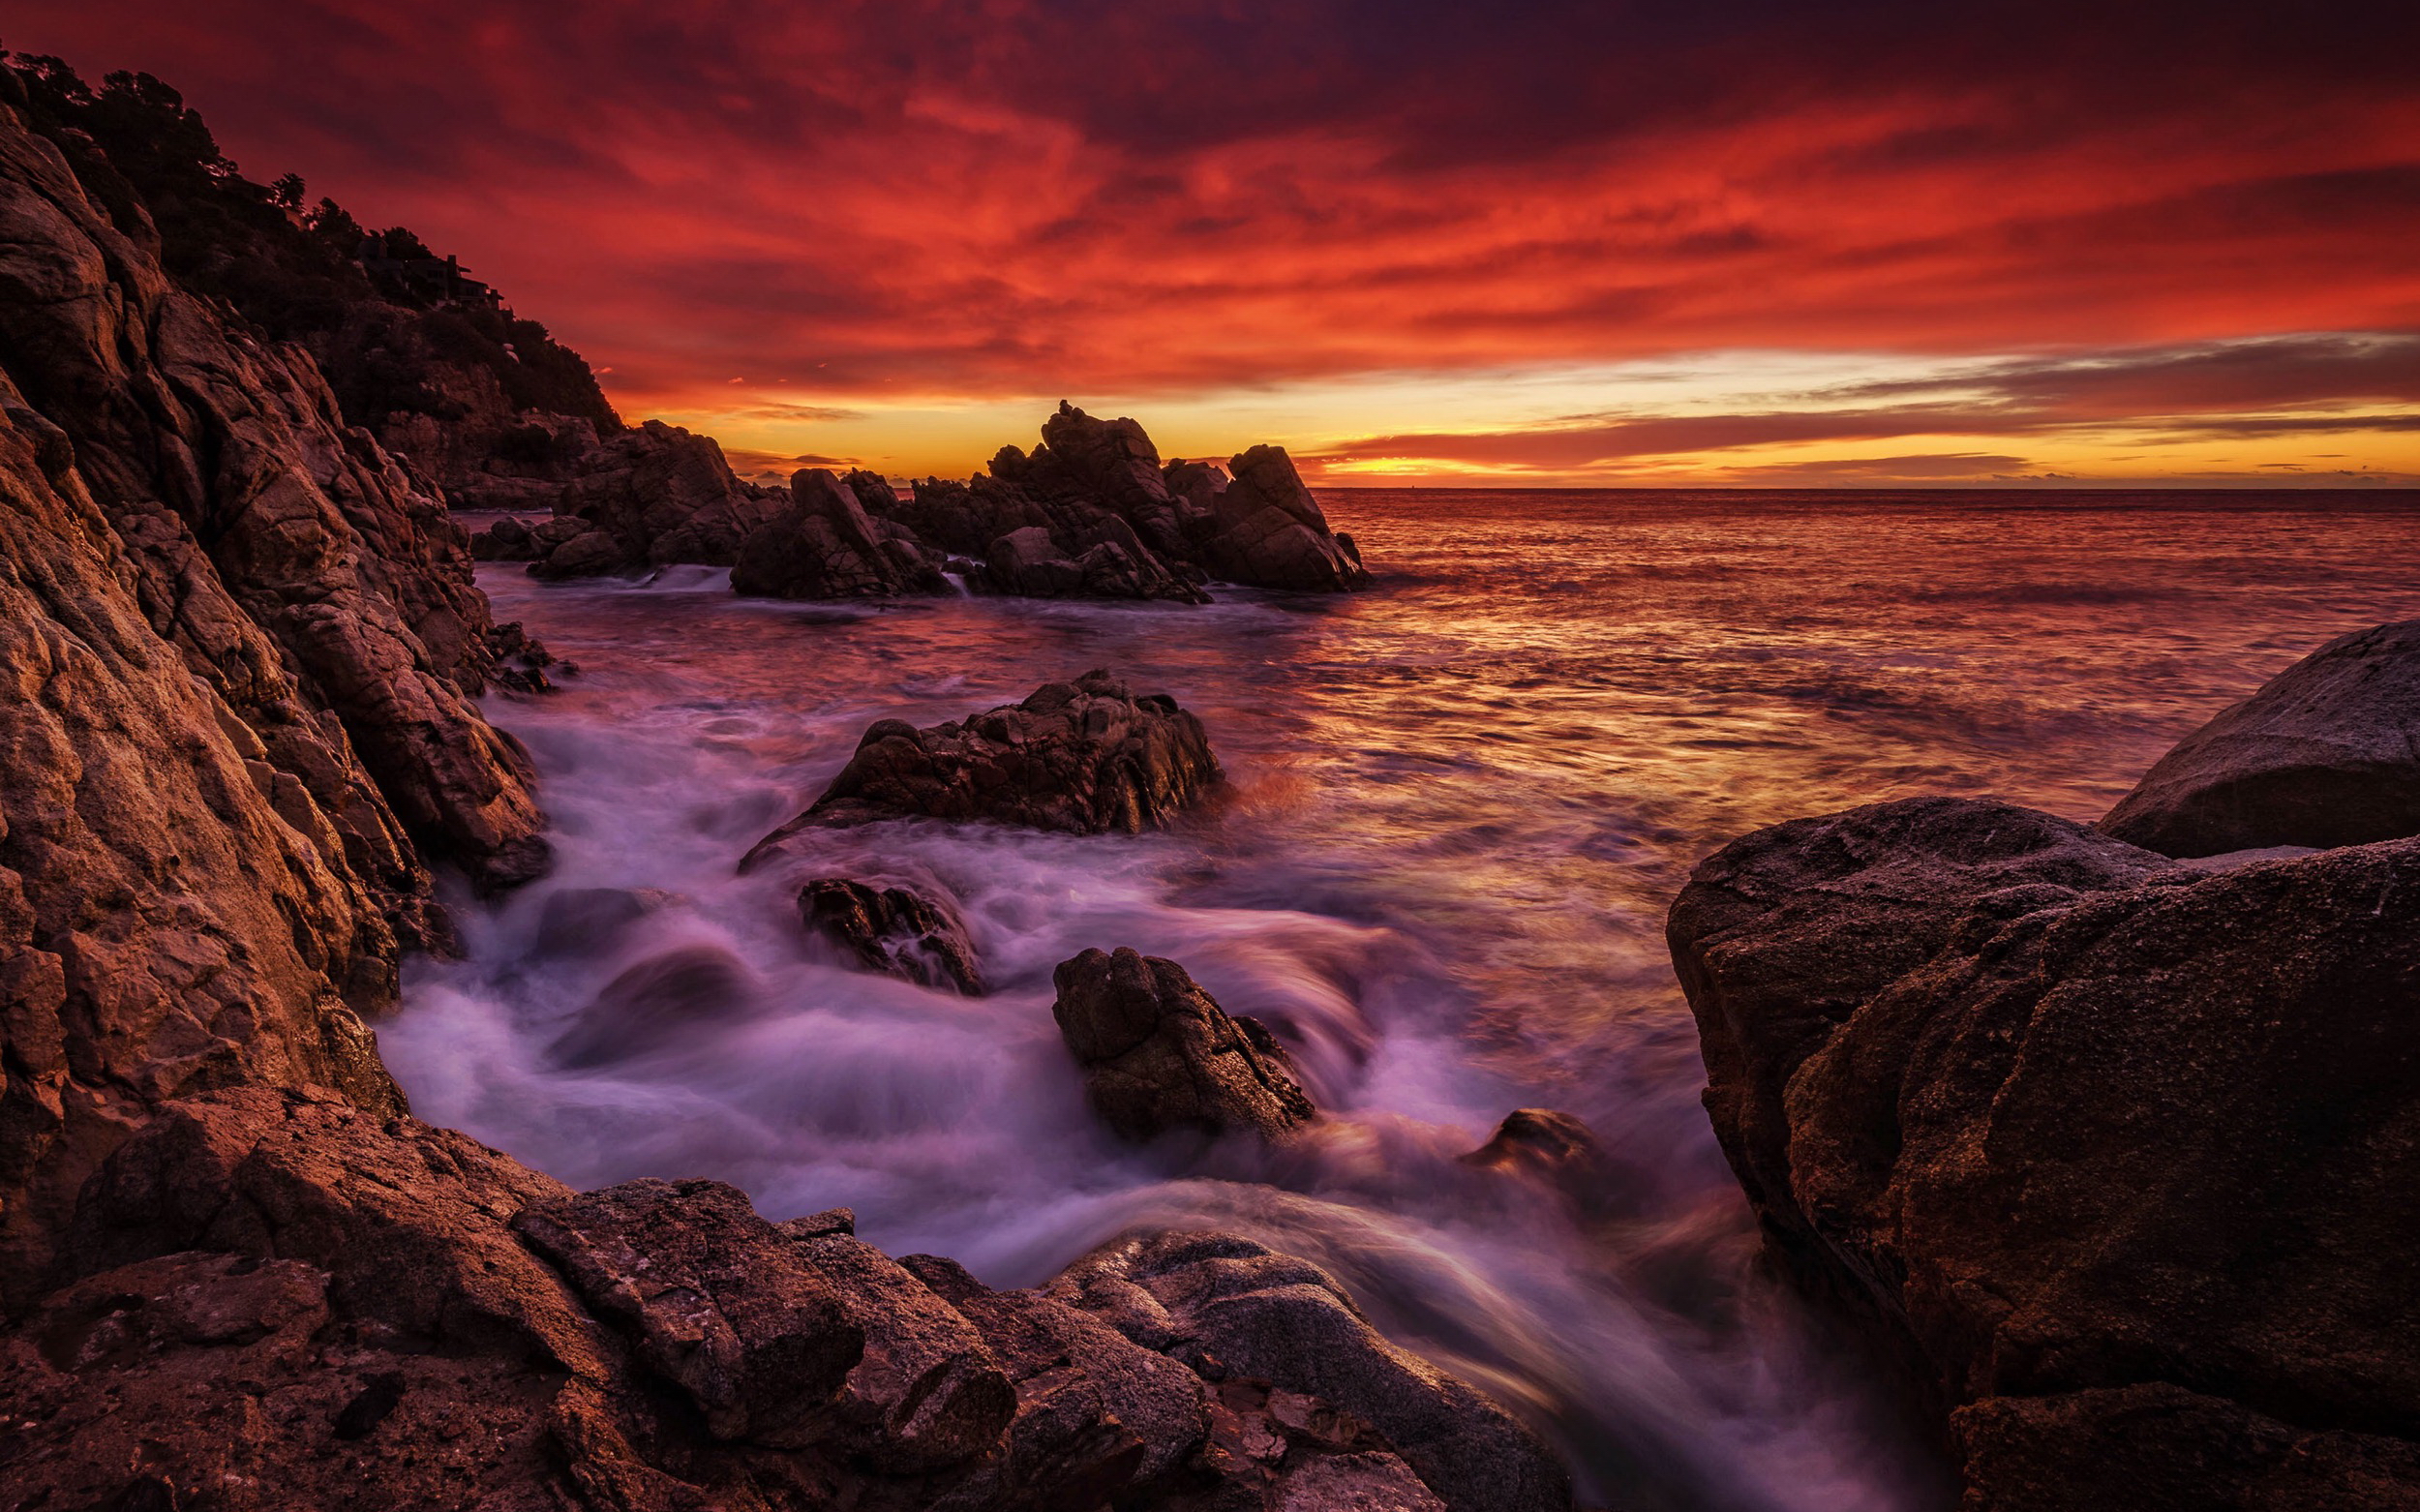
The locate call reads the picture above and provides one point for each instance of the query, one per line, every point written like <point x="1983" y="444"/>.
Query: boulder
<point x="1560" y="1153"/>
<point x="825" y="545"/>
<point x="2103" y="1151"/>
<point x="507" y="540"/>
<point x="2326" y="753"/>
<point x="1085" y="757"/>
<point x="1234" y="1308"/>
<point x="892" y="930"/>
<point x="1159" y="1054"/>
<point x="657" y="494"/>
<point x="656" y="1005"/>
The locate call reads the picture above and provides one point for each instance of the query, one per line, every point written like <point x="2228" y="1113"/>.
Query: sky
<point x="1685" y="242"/>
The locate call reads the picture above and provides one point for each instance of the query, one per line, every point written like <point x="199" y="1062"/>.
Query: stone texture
<point x="1085" y="757"/>
<point x="2326" y="753"/>
<point x="1234" y="1306"/>
<point x="2062" y="1123"/>
<point x="1264" y="529"/>
<point x="325" y="597"/>
<point x="1160" y="1055"/>
<point x="894" y="930"/>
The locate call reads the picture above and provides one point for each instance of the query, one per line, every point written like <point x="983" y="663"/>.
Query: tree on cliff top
<point x="149" y="160"/>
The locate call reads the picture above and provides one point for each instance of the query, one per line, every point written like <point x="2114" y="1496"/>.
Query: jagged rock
<point x="825" y="545"/>
<point x="1159" y="1054"/>
<point x="1230" y="1303"/>
<point x="2063" y="1124"/>
<point x="2326" y="753"/>
<point x="892" y="930"/>
<point x="1085" y="757"/>
<point x="1265" y="529"/>
<point x="648" y="497"/>
<point x="507" y="540"/>
<point x="176" y="909"/>
<point x="295" y="565"/>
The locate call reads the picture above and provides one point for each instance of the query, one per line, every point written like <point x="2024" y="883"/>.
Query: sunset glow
<point x="1629" y="249"/>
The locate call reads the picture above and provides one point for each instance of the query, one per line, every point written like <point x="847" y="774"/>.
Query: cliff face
<point x="244" y="645"/>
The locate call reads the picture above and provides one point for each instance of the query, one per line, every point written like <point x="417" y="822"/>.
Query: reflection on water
<point x="1461" y="802"/>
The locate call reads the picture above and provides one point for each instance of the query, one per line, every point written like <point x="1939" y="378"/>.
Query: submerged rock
<point x="2107" y="1151"/>
<point x="1159" y="1054"/>
<point x="2326" y="753"/>
<point x="1083" y="757"/>
<point x="892" y="930"/>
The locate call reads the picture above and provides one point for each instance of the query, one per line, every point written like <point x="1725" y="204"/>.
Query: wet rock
<point x="825" y="545"/>
<point x="1270" y="1317"/>
<point x="656" y="1005"/>
<point x="587" y="555"/>
<point x="2067" y="1128"/>
<point x="1084" y="757"/>
<point x="714" y="1297"/>
<point x="649" y="495"/>
<point x="1560" y="1153"/>
<point x="1160" y="1055"/>
<point x="591" y="920"/>
<point x="892" y="930"/>
<point x="2326" y="753"/>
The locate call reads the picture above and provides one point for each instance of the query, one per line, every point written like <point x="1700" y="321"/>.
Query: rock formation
<point x="1227" y="1303"/>
<point x="2106" y="1151"/>
<point x="1093" y="512"/>
<point x="1160" y="1054"/>
<point x="1085" y="757"/>
<point x="245" y="647"/>
<point x="271" y="1299"/>
<point x="2326" y="753"/>
<point x="894" y="930"/>
<point x="825" y="545"/>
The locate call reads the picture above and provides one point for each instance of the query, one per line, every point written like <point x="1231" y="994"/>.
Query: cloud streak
<point x="855" y="207"/>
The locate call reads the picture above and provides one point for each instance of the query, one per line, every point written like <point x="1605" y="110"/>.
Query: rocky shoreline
<point x="2099" y="1135"/>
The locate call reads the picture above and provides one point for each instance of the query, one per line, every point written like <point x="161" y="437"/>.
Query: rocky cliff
<point x="243" y="640"/>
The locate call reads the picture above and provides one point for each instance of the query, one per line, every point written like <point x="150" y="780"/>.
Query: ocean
<point x="1460" y="804"/>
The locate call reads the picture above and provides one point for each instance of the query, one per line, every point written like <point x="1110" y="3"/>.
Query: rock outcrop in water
<point x="823" y="544"/>
<point x="1160" y="1054"/>
<point x="894" y="930"/>
<point x="2108" y="1152"/>
<point x="2326" y="753"/>
<point x="1086" y="757"/>
<point x="1090" y="513"/>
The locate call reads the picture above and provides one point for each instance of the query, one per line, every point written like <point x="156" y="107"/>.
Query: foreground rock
<point x="275" y="1299"/>
<point x="2104" y="1150"/>
<point x="2326" y="753"/>
<point x="1230" y="1305"/>
<point x="1159" y="1054"/>
<point x="1084" y="757"/>
<point x="892" y="930"/>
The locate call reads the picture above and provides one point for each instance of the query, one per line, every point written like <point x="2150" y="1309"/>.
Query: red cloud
<point x="854" y="203"/>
